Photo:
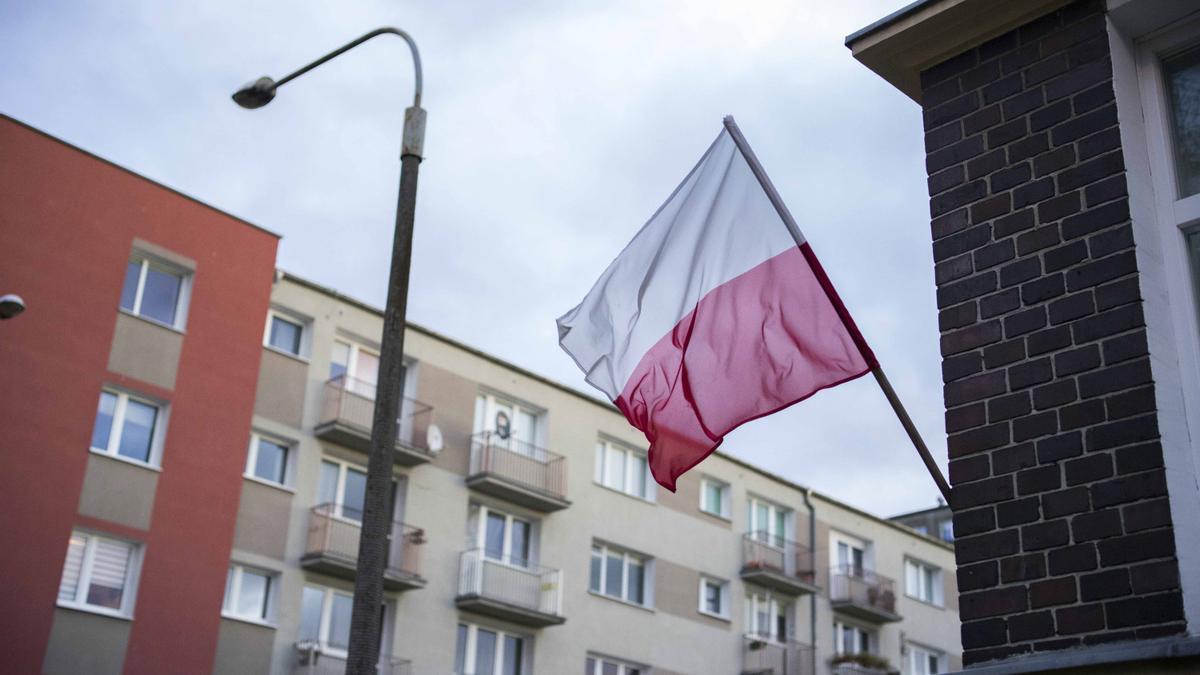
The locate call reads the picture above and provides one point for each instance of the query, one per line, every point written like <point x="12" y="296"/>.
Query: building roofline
<point x="135" y="174"/>
<point x="888" y="20"/>
<point x="608" y="407"/>
<point x="921" y="512"/>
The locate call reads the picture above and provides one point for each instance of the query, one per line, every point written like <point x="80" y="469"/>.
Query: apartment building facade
<point x="528" y="535"/>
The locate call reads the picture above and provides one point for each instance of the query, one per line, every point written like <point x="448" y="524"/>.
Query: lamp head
<point x="10" y="306"/>
<point x="255" y="94"/>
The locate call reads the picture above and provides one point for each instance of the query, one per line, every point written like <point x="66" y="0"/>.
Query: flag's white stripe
<point x="717" y="225"/>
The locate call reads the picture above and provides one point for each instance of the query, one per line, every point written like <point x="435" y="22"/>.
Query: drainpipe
<point x="812" y="599"/>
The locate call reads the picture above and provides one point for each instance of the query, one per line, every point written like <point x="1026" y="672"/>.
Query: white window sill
<point x="719" y="617"/>
<point x="269" y="483"/>
<point x="89" y="609"/>
<point x="127" y="460"/>
<point x="152" y="322"/>
<point x="645" y="608"/>
<point x="249" y="620"/>
<point x="719" y="516"/>
<point x="647" y="500"/>
<point x="284" y="352"/>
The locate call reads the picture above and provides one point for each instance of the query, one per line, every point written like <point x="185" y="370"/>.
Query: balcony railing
<point x="330" y="659"/>
<point x="763" y="656"/>
<point x="518" y="471"/>
<point x="777" y="563"/>
<point x="347" y="414"/>
<point x="510" y="589"/>
<point x="863" y="593"/>
<point x="332" y="547"/>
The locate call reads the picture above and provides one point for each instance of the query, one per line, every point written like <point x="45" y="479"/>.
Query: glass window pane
<point x="615" y="468"/>
<point x="460" y="650"/>
<point x="608" y="668"/>
<point x="485" y="652"/>
<point x="253" y="599"/>
<point x="948" y="529"/>
<point x="594" y="572"/>
<point x="613" y="570"/>
<point x="270" y="461"/>
<point x="104" y="418"/>
<point x="513" y="655"/>
<point x="227" y="605"/>
<point x="636" y="581"/>
<point x="520" y="542"/>
<point x="129" y="289"/>
<point x="780" y="530"/>
<point x="285" y="335"/>
<point x="339" y="359"/>
<point x="69" y="587"/>
<point x="1182" y="73"/>
<point x="160" y="295"/>
<point x="327" y="484"/>
<point x="339" y="621"/>
<point x="493" y="542"/>
<point x="589" y="666"/>
<point x="762" y="513"/>
<point x="637" y="474"/>
<point x="354" y="494"/>
<point x="138" y="431"/>
<point x="366" y="371"/>
<point x="310" y="613"/>
<point x="109" y="567"/>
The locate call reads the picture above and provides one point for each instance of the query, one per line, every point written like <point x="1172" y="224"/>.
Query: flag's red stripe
<point x="762" y="341"/>
<point x="838" y="306"/>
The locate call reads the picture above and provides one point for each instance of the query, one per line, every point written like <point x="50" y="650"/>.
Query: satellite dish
<point x="433" y="438"/>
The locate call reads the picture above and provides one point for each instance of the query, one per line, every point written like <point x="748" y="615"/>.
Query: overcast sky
<point x="555" y="130"/>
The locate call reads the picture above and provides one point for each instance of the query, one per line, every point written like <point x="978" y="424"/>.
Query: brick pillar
<point x="1063" y="529"/>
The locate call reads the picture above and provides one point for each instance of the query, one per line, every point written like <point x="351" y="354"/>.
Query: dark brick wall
<point x="1063" y="533"/>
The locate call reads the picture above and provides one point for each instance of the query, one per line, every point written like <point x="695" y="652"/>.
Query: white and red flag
<point x="715" y="314"/>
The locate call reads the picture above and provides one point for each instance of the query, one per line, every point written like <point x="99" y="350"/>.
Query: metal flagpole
<point x="876" y="369"/>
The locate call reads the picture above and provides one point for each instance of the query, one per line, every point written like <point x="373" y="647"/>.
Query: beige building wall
<point x="672" y="635"/>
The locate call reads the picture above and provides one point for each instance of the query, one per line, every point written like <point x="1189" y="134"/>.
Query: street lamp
<point x="372" y="545"/>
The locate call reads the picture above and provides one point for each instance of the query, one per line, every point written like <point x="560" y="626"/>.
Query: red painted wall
<point x="67" y="224"/>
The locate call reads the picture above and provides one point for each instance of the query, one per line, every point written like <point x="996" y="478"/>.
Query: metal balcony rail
<point x="856" y="669"/>
<point x="764" y="656"/>
<point x="519" y="462"/>
<point x="333" y="532"/>
<point x="351" y="402"/>
<point x="330" y="659"/>
<point x="764" y="551"/>
<point x="862" y="587"/>
<point x="510" y="581"/>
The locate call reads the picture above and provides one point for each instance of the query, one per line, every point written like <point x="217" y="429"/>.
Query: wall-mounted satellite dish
<point x="433" y="438"/>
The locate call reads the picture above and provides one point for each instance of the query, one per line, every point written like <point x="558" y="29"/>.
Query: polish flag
<point x="715" y="314"/>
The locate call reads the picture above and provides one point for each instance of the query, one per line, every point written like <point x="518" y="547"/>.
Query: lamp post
<point x="372" y="545"/>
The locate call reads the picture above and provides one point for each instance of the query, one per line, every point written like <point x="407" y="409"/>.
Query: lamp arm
<point x="412" y="45"/>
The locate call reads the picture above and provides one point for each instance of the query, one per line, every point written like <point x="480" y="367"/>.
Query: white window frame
<point x="868" y="551"/>
<point x="839" y="647"/>
<point x="355" y="381"/>
<point x="289" y="459"/>
<point x="470" y="655"/>
<point x="623" y="667"/>
<point x="132" y="574"/>
<point x="154" y="461"/>
<point x="628" y="559"/>
<point x="919" y="654"/>
<point x="146" y="261"/>
<point x="928" y="588"/>
<point x="725" y="507"/>
<point x="604" y="448"/>
<point x="723" y="596"/>
<point x="339" y="492"/>
<point x="480" y="512"/>
<point x="233" y="589"/>
<point x="305" y="347"/>
<point x="754" y="527"/>
<point x="776" y="606"/>
<point x="326" y="619"/>
<point x="486" y="403"/>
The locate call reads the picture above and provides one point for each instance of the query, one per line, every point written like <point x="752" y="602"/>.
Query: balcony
<point x="317" y="659"/>
<point x="763" y="656"/>
<point x="347" y="413"/>
<point x="511" y="590"/>
<point x="332" y="548"/>
<point x="863" y="594"/>
<point x="776" y="563"/>
<point x="518" y="472"/>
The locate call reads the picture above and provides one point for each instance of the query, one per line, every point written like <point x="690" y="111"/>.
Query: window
<point x="768" y="522"/>
<point x="623" y="469"/>
<point x="603" y="665"/>
<point x="358" y="366"/>
<point x="127" y="427"/>
<point x="768" y="616"/>
<point x="286" y="333"/>
<point x="619" y="574"/>
<point x="1181" y="74"/>
<point x="247" y="593"/>
<point x="502" y="536"/>
<point x="99" y="574"/>
<point x="848" y="555"/>
<point x="482" y="651"/>
<point x="511" y="425"/>
<point x="714" y="597"/>
<point x="923" y="582"/>
<point x="851" y="639"/>
<point x="325" y="618"/>
<point x="268" y="459"/>
<point x="714" y="497"/>
<point x="924" y="661"/>
<point x="155" y="290"/>
<point x="921" y="529"/>
<point x="946" y="528"/>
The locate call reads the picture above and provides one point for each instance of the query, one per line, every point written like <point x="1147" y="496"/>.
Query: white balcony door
<point x="345" y="485"/>
<point x="503" y="537"/>
<point x="768" y="616"/>
<point x="358" y="364"/>
<point x="848" y="554"/>
<point x="768" y="522"/>
<point x="512" y="425"/>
